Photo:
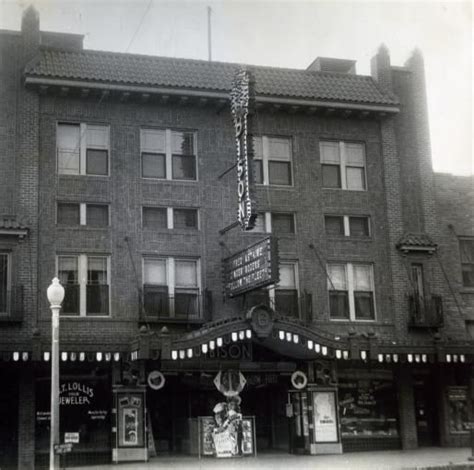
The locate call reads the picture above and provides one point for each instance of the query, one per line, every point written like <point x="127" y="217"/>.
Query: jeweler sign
<point x="241" y="101"/>
<point x="252" y="268"/>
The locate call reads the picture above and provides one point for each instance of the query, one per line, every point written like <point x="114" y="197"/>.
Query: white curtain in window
<point x="330" y="152"/>
<point x="68" y="148"/>
<point x="278" y="149"/>
<point x="98" y="137"/>
<point x="185" y="272"/>
<point x="337" y="274"/>
<point x="155" y="271"/>
<point x="354" y="154"/>
<point x="67" y="269"/>
<point x="153" y="140"/>
<point x="362" y="277"/>
<point x="355" y="178"/>
<point x="287" y="276"/>
<point x="97" y="270"/>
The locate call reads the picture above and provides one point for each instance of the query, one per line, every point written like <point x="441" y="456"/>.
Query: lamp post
<point x="55" y="295"/>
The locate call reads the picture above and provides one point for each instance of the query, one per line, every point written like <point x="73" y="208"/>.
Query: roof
<point x="416" y="241"/>
<point x="12" y="226"/>
<point x="141" y="70"/>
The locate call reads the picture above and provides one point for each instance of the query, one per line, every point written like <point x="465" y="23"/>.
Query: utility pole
<point x="209" y="34"/>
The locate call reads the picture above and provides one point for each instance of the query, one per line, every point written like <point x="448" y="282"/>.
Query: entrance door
<point x="8" y="420"/>
<point x="426" y="412"/>
<point x="299" y="422"/>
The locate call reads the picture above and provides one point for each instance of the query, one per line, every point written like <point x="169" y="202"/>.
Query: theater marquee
<point x="252" y="268"/>
<point x="241" y="100"/>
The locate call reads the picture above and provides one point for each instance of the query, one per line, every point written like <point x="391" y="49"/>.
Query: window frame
<point x="343" y="164"/>
<point x="83" y="147"/>
<point x="8" y="257"/>
<point x="268" y="223"/>
<point x="470" y="240"/>
<point x="83" y="214"/>
<point x="82" y="278"/>
<point x="265" y="159"/>
<point x="170" y="272"/>
<point x="346" y="226"/>
<point x="170" y="218"/>
<point x="350" y="280"/>
<point x="169" y="154"/>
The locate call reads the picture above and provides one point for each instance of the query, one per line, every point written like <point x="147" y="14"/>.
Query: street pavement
<point x="419" y="459"/>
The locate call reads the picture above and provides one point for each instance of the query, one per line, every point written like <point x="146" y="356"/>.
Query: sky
<point x="292" y="33"/>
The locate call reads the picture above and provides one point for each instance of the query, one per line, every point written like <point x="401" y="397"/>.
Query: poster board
<point x="325" y="417"/>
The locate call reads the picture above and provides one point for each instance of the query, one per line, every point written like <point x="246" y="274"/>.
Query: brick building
<point x="117" y="175"/>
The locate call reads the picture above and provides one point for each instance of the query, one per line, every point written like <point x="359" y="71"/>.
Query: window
<point x="168" y="154"/>
<point x="351" y="291"/>
<point x="168" y="218"/>
<point x="284" y="296"/>
<point x="4" y="283"/>
<point x="286" y="292"/>
<point x="92" y="215"/>
<point x="171" y="288"/>
<point x="466" y="247"/>
<point x="347" y="225"/>
<point x="86" y="281"/>
<point x="343" y="165"/>
<point x="272" y="161"/>
<point x="280" y="223"/>
<point x="83" y="149"/>
<point x="185" y="218"/>
<point x="155" y="218"/>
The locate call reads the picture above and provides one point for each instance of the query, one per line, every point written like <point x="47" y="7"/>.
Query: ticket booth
<point x="314" y="422"/>
<point x="130" y="442"/>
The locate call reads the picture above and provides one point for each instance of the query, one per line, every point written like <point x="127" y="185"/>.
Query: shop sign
<point x="233" y="351"/>
<point x="75" y="393"/>
<point x="63" y="448"/>
<point x="241" y="99"/>
<point x="325" y="419"/>
<point x="156" y="380"/>
<point x="299" y="380"/>
<point x="230" y="383"/>
<point x="252" y="268"/>
<point x="72" y="437"/>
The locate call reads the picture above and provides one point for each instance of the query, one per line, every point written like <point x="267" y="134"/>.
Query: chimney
<point x="380" y="67"/>
<point x="30" y="30"/>
<point x="329" y="64"/>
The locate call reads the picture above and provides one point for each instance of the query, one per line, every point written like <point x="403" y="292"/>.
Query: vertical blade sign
<point x="241" y="102"/>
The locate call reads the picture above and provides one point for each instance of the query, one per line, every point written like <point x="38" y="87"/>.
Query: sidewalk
<point x="419" y="459"/>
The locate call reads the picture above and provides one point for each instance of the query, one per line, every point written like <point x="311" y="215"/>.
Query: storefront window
<point x="84" y="413"/>
<point x="458" y="406"/>
<point x="367" y="406"/>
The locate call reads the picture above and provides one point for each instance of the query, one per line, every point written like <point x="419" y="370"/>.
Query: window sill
<point x="275" y="186"/>
<point x="363" y="191"/>
<point x="85" y="317"/>
<point x="83" y="176"/>
<point x="173" y="181"/>
<point x="180" y="231"/>
<point x="466" y="290"/>
<point x="182" y="321"/>
<point x="343" y="238"/>
<point x="81" y="227"/>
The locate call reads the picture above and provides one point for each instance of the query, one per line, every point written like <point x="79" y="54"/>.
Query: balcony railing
<point x="188" y="306"/>
<point x="425" y="312"/>
<point x="286" y="303"/>
<point x="12" y="304"/>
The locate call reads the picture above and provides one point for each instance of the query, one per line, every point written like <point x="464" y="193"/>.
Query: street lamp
<point x="55" y="295"/>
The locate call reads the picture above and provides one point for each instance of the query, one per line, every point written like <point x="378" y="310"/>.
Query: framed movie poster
<point x="131" y="425"/>
<point x="325" y="416"/>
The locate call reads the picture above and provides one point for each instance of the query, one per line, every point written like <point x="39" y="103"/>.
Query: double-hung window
<point x="283" y="297"/>
<point x="4" y="283"/>
<point x="74" y="213"/>
<point x="351" y="291"/>
<point x="167" y="154"/>
<point x="279" y="223"/>
<point x="273" y="161"/>
<point x="343" y="165"/>
<point x="347" y="225"/>
<point x="171" y="288"/>
<point x="155" y="218"/>
<point x="466" y="247"/>
<point x="82" y="149"/>
<point x="86" y="280"/>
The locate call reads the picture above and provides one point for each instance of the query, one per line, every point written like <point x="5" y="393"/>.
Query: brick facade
<point x="403" y="195"/>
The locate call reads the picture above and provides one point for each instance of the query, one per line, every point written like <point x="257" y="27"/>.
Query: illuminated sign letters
<point x="240" y="99"/>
